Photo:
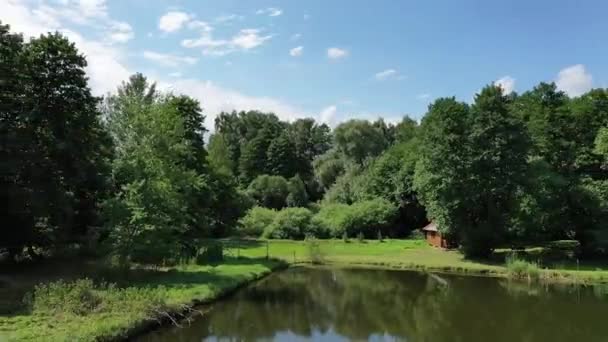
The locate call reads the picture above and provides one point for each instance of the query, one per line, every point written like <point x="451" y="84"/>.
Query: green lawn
<point x="149" y="294"/>
<point x="414" y="254"/>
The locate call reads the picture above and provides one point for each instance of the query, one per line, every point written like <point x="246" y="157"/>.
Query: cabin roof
<point x="431" y="227"/>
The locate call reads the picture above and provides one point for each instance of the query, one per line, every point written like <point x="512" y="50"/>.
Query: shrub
<point x="315" y="253"/>
<point x="292" y="223"/>
<point x="256" y="221"/>
<point x="82" y="297"/>
<point x="416" y="234"/>
<point x="369" y="217"/>
<point x="331" y="218"/>
<point x="269" y="191"/>
<point x="522" y="269"/>
<point x="60" y="297"/>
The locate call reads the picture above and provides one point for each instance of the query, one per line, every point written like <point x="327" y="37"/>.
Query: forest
<point x="135" y="174"/>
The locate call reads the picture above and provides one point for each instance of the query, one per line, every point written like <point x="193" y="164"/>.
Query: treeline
<point x="127" y="174"/>
<point x="131" y="174"/>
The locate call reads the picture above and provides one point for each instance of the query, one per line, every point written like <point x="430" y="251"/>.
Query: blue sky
<point x="332" y="60"/>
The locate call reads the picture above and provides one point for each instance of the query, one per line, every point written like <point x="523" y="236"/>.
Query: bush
<point x="416" y="234"/>
<point x="331" y="218"/>
<point x="60" y="297"/>
<point x="370" y="217"/>
<point x="292" y="223"/>
<point x="315" y="253"/>
<point x="269" y="191"/>
<point x="83" y="297"/>
<point x="522" y="269"/>
<point x="256" y="221"/>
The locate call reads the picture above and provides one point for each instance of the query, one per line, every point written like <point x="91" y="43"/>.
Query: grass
<point x="521" y="269"/>
<point x="84" y="310"/>
<point x="417" y="254"/>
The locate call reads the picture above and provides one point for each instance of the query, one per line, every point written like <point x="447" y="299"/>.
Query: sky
<point x="330" y="60"/>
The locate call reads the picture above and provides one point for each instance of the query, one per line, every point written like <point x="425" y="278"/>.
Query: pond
<point x="329" y="304"/>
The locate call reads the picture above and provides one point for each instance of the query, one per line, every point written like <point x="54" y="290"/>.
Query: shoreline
<point x="151" y="325"/>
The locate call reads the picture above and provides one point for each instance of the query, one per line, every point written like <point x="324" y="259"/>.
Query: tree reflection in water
<point x="356" y="304"/>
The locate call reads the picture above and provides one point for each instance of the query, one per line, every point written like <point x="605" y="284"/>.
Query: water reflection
<point x="340" y="305"/>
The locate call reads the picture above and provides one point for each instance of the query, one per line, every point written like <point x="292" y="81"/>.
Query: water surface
<point x="325" y="304"/>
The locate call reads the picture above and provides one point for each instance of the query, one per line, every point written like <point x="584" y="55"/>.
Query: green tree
<point x="359" y="139"/>
<point x="440" y="177"/>
<point x="219" y="155"/>
<point x="590" y="113"/>
<point x="297" y="197"/>
<point x="311" y="140"/>
<point x="253" y="160"/>
<point x="328" y="167"/>
<point x="499" y="147"/>
<point x="406" y="130"/>
<point x="55" y="147"/>
<point x="391" y="177"/>
<point x="281" y="157"/>
<point x="161" y="205"/>
<point x="550" y="125"/>
<point x="269" y="191"/>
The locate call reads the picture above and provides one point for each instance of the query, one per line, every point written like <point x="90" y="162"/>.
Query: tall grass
<point x="521" y="269"/>
<point x="83" y="297"/>
<point x="315" y="253"/>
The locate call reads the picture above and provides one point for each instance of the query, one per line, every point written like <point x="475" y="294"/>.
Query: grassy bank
<point x="416" y="254"/>
<point x="85" y="310"/>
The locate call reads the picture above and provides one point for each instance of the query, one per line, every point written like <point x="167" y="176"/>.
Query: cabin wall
<point x="434" y="239"/>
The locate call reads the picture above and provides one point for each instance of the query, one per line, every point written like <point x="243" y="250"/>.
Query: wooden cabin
<point x="434" y="237"/>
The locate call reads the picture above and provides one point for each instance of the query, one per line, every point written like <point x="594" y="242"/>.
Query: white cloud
<point x="270" y="11"/>
<point x="42" y="18"/>
<point x="423" y="96"/>
<point x="175" y="74"/>
<point x="204" y="27"/>
<point x="297" y="51"/>
<point x="249" y="39"/>
<point x="336" y="53"/>
<point x="169" y="60"/>
<point x="121" y="32"/>
<point x="215" y="99"/>
<point x="382" y="75"/>
<point x="245" y="39"/>
<point x="574" y="80"/>
<point x="507" y="83"/>
<point x="225" y="19"/>
<point x="173" y="21"/>
<point x="295" y="36"/>
<point x="105" y="67"/>
<point x="91" y="8"/>
<point x="328" y="115"/>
